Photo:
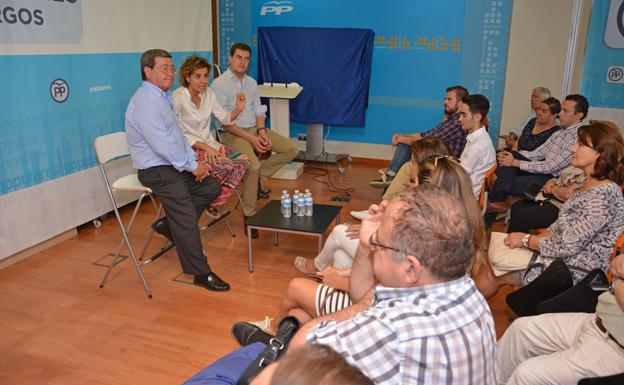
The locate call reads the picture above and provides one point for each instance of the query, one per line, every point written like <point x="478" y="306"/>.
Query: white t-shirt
<point x="478" y="157"/>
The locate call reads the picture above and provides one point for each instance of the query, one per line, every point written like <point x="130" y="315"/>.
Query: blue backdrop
<point x="54" y="106"/>
<point x="603" y="70"/>
<point x="421" y="48"/>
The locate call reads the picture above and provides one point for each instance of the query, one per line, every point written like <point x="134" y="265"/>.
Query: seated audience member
<point x="166" y="164"/>
<point x="310" y="364"/>
<point x="306" y="299"/>
<point x="194" y="104"/>
<point x="538" y="95"/>
<point x="449" y="131"/>
<point x="479" y="154"/>
<point x="589" y="223"/>
<point x="339" y="248"/>
<point x="531" y="214"/>
<point x="516" y="170"/>
<point x="511" y="142"/>
<point x="413" y="255"/>
<point x="563" y="348"/>
<point x="540" y="128"/>
<point x="248" y="133"/>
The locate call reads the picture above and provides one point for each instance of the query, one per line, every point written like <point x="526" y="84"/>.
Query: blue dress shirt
<point x="227" y="86"/>
<point x="153" y="130"/>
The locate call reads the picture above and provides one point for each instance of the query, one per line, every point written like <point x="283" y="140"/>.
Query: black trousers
<point x="513" y="181"/>
<point x="184" y="200"/>
<point x="526" y="215"/>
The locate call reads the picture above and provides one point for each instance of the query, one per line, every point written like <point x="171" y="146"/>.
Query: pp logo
<point x="59" y="90"/>
<point x="615" y="75"/>
<point x="276" y="7"/>
<point x="614" y="33"/>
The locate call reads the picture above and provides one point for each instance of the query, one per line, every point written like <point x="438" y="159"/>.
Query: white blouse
<point x="196" y="121"/>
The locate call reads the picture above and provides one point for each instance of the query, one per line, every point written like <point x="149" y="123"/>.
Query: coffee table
<point x="270" y="218"/>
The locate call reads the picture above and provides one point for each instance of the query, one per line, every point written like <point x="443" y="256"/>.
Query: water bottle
<point x="286" y="211"/>
<point x="300" y="206"/>
<point x="283" y="203"/>
<point x="307" y="193"/>
<point x="309" y="206"/>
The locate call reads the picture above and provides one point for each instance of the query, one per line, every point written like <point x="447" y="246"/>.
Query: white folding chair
<point x="107" y="148"/>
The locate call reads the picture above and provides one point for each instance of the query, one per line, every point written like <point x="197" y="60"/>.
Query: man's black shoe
<point x="263" y="194"/>
<point x="161" y="226"/>
<point x="211" y="282"/>
<point x="245" y="334"/>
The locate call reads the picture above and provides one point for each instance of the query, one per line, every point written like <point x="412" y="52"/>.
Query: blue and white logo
<point x="615" y="74"/>
<point x="276" y="7"/>
<point x="59" y="90"/>
<point x="614" y="33"/>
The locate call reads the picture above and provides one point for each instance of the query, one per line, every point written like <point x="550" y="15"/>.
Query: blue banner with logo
<point x="603" y="70"/>
<point x="420" y="49"/>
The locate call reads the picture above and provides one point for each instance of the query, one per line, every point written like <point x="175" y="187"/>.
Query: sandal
<point x="300" y="264"/>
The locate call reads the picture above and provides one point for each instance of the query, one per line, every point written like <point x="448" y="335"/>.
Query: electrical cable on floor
<point x="319" y="173"/>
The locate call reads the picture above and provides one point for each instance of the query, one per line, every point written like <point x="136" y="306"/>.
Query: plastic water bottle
<point x="286" y="207"/>
<point x="282" y="202"/>
<point x="309" y="206"/>
<point x="300" y="206"/>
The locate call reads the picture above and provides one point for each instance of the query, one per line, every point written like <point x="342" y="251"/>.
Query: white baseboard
<point x="356" y="149"/>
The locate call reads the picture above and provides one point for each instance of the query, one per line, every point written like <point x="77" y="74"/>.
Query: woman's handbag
<point x="506" y="260"/>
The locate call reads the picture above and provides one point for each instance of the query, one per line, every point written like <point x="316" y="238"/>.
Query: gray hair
<point x="432" y="225"/>
<point x="545" y="92"/>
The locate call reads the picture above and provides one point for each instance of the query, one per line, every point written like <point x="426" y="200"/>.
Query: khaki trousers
<point x="556" y="348"/>
<point x="284" y="150"/>
<point x="401" y="179"/>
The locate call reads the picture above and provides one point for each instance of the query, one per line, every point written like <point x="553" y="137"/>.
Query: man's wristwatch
<point x="525" y="240"/>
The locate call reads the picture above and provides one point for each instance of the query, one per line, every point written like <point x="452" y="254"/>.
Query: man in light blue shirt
<point x="248" y="131"/>
<point x="166" y="164"/>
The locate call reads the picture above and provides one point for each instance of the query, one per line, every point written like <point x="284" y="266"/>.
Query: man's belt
<point x="604" y="330"/>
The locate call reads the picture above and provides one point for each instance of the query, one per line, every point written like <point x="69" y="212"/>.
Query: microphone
<point x="277" y="63"/>
<point x="268" y="67"/>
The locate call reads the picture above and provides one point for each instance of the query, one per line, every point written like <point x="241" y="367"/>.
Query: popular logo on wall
<point x="276" y="7"/>
<point x="614" y="32"/>
<point x="59" y="90"/>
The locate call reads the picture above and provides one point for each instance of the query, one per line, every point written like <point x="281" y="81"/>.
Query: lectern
<point x="279" y="95"/>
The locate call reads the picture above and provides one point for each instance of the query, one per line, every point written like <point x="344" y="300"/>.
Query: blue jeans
<point x="402" y="155"/>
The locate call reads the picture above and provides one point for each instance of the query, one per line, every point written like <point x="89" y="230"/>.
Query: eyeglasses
<point x="374" y="246"/>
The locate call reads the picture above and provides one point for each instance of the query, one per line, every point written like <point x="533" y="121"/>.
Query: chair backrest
<point x="487" y="186"/>
<point x="617" y="249"/>
<point x="111" y="146"/>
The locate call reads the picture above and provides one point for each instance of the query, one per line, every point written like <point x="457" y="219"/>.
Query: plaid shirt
<point x="434" y="334"/>
<point x="451" y="132"/>
<point x="552" y="156"/>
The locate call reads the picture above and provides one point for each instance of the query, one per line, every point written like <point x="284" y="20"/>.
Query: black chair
<point x="580" y="298"/>
<point x="615" y="379"/>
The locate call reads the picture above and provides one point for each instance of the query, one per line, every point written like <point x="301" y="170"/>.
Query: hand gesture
<point x="371" y="222"/>
<point x="257" y="144"/>
<point x="514" y="240"/>
<point x="214" y="156"/>
<point x="505" y="159"/>
<point x="240" y="102"/>
<point x="548" y="186"/>
<point x="202" y="171"/>
<point x="264" y="139"/>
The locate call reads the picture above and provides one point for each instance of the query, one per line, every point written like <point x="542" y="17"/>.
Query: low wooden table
<point x="270" y="218"/>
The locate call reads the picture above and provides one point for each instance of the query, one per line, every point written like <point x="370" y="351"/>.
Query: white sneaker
<point x="359" y="214"/>
<point x="265" y="324"/>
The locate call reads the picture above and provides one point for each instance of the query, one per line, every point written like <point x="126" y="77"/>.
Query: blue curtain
<point x="333" y="65"/>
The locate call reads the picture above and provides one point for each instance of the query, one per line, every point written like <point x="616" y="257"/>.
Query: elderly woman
<point x="589" y="222"/>
<point x="194" y="104"/>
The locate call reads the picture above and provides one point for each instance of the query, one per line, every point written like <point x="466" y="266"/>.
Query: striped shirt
<point x="433" y="334"/>
<point x="552" y="156"/>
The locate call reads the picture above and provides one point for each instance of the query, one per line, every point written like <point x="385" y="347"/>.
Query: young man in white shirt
<point x="479" y="154"/>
